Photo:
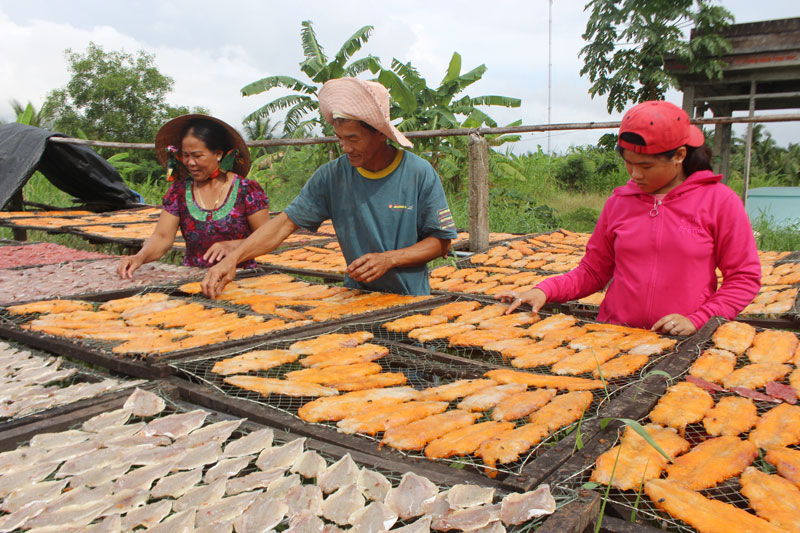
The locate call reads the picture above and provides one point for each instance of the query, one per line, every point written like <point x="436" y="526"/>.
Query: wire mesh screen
<point x="37" y="381"/>
<point x="728" y="491"/>
<point x="424" y="366"/>
<point x="329" y="454"/>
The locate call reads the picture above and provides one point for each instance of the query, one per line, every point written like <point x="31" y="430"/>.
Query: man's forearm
<point x="420" y="253"/>
<point x="265" y="239"/>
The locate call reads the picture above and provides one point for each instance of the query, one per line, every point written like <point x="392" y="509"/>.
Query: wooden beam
<point x="478" y="193"/>
<point x="16" y="203"/>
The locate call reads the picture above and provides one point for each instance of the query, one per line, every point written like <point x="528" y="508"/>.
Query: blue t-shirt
<point x="375" y="212"/>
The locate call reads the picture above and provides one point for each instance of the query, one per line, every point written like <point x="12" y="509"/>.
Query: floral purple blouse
<point x="203" y="227"/>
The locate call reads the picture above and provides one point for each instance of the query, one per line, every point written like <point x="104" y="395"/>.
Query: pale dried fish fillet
<point x="373" y="485"/>
<point x="226" y="468"/>
<point x="177" y="425"/>
<point x="464" y="496"/>
<point x="262" y="515"/>
<point x="117" y="417"/>
<point x="303" y="498"/>
<point x="249" y="444"/>
<point x="412" y="496"/>
<point x="225" y="509"/>
<point x="339" y="506"/>
<point x="341" y="473"/>
<point x="281" y="456"/>
<point x="147" y="515"/>
<point x="199" y="496"/>
<point x="518" y="508"/>
<point x="256" y="480"/>
<point x="217" y="432"/>
<point x="374" y="517"/>
<point x="309" y="465"/>
<point x="144" y="404"/>
<point x="176" y="485"/>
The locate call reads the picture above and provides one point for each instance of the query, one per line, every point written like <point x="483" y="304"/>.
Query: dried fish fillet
<point x="267" y="386"/>
<point x="412" y="496"/>
<point x="455" y="390"/>
<point x="363" y="353"/>
<point x="262" y="515"/>
<point x="310" y="465"/>
<point x="303" y="498"/>
<point x="226" y="468"/>
<point x="144" y="404"/>
<point x="256" y="480"/>
<point x="382" y="418"/>
<point x="249" y="444"/>
<point x="732" y="415"/>
<point x="373" y="485"/>
<point x="773" y="346"/>
<point x="281" y="456"/>
<point x="712" y="462"/>
<point x="199" y="496"/>
<point x="756" y="375"/>
<point x="226" y="509"/>
<point x="684" y="403"/>
<point x="786" y="461"/>
<point x="217" y="432"/>
<point x="147" y="515"/>
<point x="335" y="408"/>
<point x="713" y="365"/>
<point x="408" y="323"/>
<point x="340" y="474"/>
<point x="518" y="405"/>
<point x="780" y="426"/>
<point x="177" y="425"/>
<point x="468" y="519"/>
<point x="416" y="435"/>
<point x="374" y="517"/>
<point x="253" y="361"/>
<point x="487" y="398"/>
<point x="176" y="485"/>
<point x="703" y="513"/>
<point x="339" y="506"/>
<point x="518" y="508"/>
<point x="735" y="337"/>
<point x="465" y="496"/>
<point x="543" y="381"/>
<point x="773" y="498"/>
<point x="117" y="417"/>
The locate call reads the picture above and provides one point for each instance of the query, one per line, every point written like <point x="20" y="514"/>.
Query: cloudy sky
<point x="213" y="49"/>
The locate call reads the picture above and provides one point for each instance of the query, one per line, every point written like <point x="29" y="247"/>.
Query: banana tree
<point x="301" y="108"/>
<point x="424" y="108"/>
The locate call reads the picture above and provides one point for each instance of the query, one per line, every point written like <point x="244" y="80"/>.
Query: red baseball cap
<point x="662" y="125"/>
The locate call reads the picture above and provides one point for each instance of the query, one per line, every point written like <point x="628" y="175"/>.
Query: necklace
<point x="216" y="202"/>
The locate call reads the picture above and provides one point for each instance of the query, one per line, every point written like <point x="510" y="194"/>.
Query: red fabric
<point x="666" y="263"/>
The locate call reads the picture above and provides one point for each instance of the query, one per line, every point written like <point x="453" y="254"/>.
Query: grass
<point x="514" y="207"/>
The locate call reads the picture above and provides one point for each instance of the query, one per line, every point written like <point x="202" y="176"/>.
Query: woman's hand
<point x="674" y="324"/>
<point x="219" y="250"/>
<point x="128" y="265"/>
<point x="536" y="298"/>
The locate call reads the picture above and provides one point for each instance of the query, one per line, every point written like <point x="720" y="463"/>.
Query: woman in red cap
<point x="211" y="202"/>
<point x="661" y="237"/>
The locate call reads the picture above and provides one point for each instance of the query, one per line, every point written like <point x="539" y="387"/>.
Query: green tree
<point x="114" y="96"/>
<point x="425" y="108"/>
<point x="629" y="40"/>
<point x="27" y="114"/>
<point x="301" y="108"/>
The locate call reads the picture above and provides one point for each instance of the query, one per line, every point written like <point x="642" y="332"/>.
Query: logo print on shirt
<point x="688" y="225"/>
<point x="399" y="206"/>
<point x="446" y="219"/>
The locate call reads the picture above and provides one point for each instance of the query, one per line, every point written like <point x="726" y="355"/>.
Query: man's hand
<point x="128" y="265"/>
<point x="534" y="297"/>
<point x="218" y="276"/>
<point x="674" y="324"/>
<point x="370" y="267"/>
<point x="219" y="250"/>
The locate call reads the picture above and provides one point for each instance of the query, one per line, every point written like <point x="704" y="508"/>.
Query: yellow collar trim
<point x="378" y="174"/>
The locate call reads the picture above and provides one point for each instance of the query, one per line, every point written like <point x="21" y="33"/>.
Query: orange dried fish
<point x="373" y="381"/>
<point x="542" y="381"/>
<point x="382" y="418"/>
<point x="564" y="335"/>
<point x="624" y="365"/>
<point x="123" y="304"/>
<point x="454" y="309"/>
<point x="773" y="498"/>
<point x="595" y="339"/>
<point x="584" y="361"/>
<point x="786" y="461"/>
<point x="417" y="434"/>
<point x="734" y="337"/>
<point x="254" y="360"/>
<point x="704" y="514"/>
<point x="331" y="341"/>
<point x="487" y="398"/>
<point x="653" y="347"/>
<point x="528" y="350"/>
<point x="466" y="440"/>
<point x="408" y="323"/>
<point x="457" y="389"/>
<point x="780" y="426"/>
<point x="713" y="365"/>
<point x="507" y="344"/>
<point x="712" y="462"/>
<point x="684" y="403"/>
<point x="334" y="374"/>
<point x="773" y="346"/>
<point x="633" y="340"/>
<point x="439" y="331"/>
<point x="559" y="412"/>
<point x="334" y="408"/>
<point x="50" y="306"/>
<point x="267" y="386"/>
<point x="544" y="357"/>
<point x="756" y="375"/>
<point x="481" y="337"/>
<point x="514" y="319"/>
<point x="634" y="460"/>
<point x="484" y="313"/>
<point x="516" y="406"/>
<point x="552" y="323"/>
<point x="732" y="415"/>
<point x="362" y="353"/>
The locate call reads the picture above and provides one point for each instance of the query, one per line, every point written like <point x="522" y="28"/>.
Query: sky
<point x="213" y="49"/>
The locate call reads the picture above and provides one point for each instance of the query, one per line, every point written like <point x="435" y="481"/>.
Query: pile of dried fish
<point x="30" y="383"/>
<point x="42" y="253"/>
<point x="727" y="423"/>
<point x="84" y="277"/>
<point x="179" y="473"/>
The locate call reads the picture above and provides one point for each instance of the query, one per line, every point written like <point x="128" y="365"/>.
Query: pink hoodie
<point x="661" y="256"/>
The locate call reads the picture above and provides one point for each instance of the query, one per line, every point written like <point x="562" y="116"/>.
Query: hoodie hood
<point x="698" y="179"/>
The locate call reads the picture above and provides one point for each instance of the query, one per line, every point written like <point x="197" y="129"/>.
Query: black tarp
<point x="75" y="169"/>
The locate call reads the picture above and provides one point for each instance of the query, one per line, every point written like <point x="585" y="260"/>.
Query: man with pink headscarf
<point x="387" y="205"/>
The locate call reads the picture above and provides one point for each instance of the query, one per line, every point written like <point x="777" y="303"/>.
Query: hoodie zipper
<point x="654" y="211"/>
